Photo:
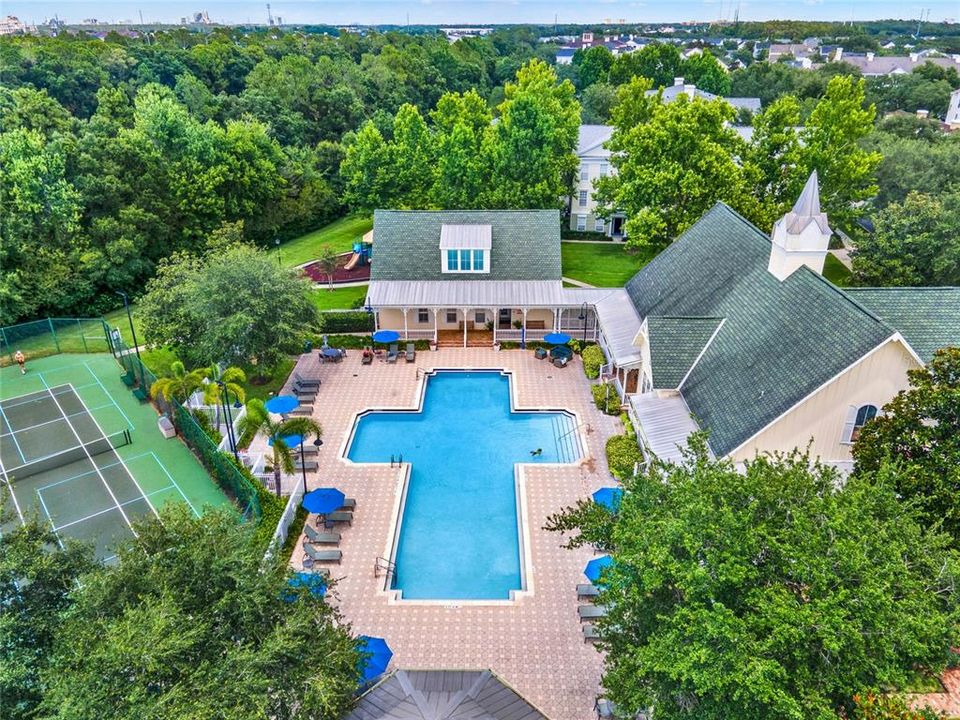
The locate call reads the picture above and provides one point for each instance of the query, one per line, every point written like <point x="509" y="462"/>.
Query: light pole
<point x="225" y="401"/>
<point x="583" y="316"/>
<point x="276" y="241"/>
<point x="133" y="334"/>
<point x="303" y="466"/>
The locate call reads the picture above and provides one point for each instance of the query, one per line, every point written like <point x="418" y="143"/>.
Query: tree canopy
<point x="772" y="592"/>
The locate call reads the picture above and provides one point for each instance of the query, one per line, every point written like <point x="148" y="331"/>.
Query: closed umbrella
<point x="378" y="655"/>
<point x="323" y="500"/>
<point x="595" y="567"/>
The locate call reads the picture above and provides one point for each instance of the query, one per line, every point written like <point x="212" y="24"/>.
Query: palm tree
<point x="178" y="385"/>
<point x="231" y="377"/>
<point x="257" y="419"/>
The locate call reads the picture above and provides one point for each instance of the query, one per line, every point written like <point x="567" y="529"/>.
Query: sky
<point x="372" y="12"/>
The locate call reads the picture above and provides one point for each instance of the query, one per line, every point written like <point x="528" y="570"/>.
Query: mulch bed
<point x="358" y="274"/>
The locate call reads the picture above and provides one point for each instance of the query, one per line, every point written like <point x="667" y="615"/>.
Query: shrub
<point x="592" y="360"/>
<point x="345" y="322"/>
<point x="606" y="398"/>
<point x="623" y="454"/>
<point x="271" y="506"/>
<point x="203" y="420"/>
<point x="567" y="234"/>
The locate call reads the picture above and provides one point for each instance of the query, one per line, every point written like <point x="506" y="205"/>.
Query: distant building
<point x="616" y="44"/>
<point x="872" y="65"/>
<point x="594" y="160"/>
<point x="798" y="51"/>
<point x="952" y="120"/>
<point x="454" y="34"/>
<point x="11" y="25"/>
<point x="680" y="88"/>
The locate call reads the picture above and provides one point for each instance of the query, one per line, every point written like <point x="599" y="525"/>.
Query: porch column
<point x="376" y="320"/>
<point x="523" y="336"/>
<point x="465" y="311"/>
<point x="496" y="321"/>
<point x="436" y="325"/>
<point x="556" y="319"/>
<point x="406" y="335"/>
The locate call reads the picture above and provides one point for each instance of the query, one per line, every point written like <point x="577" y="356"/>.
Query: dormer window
<point x="465" y="248"/>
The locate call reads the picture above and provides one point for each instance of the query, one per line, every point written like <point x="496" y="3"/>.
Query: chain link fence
<point x="53" y="336"/>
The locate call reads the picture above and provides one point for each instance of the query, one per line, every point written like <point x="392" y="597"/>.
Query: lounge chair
<point x="340" y="516"/>
<point x="349" y="504"/>
<point x="393" y="353"/>
<point x="306" y="464"/>
<point x="540" y="353"/>
<point x="321" y="538"/>
<point x="411" y="352"/>
<point x="561" y="362"/>
<point x="587" y="612"/>
<point x="305" y="382"/>
<point x="587" y="590"/>
<point x="305" y="396"/>
<point x="313" y="555"/>
<point x="590" y="632"/>
<point x="303" y="411"/>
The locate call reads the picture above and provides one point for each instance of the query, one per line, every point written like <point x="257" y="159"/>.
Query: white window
<point x="480" y="317"/>
<point x="581" y="222"/>
<point x="465" y="248"/>
<point x="584" y="173"/>
<point x="604" y="169"/>
<point x="598" y="225"/>
<point x="465" y="256"/>
<point x="857" y="417"/>
<point x="583" y="198"/>
<point x="423" y="316"/>
<point x="452" y="264"/>
<point x="451" y="316"/>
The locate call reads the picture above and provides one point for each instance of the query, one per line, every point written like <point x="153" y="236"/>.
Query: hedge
<point x="345" y="322"/>
<point x="567" y="234"/>
<point x="623" y="454"/>
<point x="593" y="358"/>
<point x="606" y="399"/>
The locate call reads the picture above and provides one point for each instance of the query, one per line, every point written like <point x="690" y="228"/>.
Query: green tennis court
<point x="78" y="449"/>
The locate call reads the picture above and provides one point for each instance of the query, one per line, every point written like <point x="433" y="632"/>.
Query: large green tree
<point x="660" y="63"/>
<point x="191" y="622"/>
<point x="233" y="305"/>
<point x="772" y="591"/>
<point x="37" y="578"/>
<point x="460" y="122"/>
<point x="593" y="65"/>
<point x="674" y="161"/>
<point x="919" y="430"/>
<point x="914" y="243"/>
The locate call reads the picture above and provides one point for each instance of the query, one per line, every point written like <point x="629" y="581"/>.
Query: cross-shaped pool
<point x="459" y="535"/>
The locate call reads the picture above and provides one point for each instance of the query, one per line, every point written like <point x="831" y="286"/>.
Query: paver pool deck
<point x="536" y="643"/>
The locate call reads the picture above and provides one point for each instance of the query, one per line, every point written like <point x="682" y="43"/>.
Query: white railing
<point x="418" y="334"/>
<point x="286" y="519"/>
<point x="517" y="334"/>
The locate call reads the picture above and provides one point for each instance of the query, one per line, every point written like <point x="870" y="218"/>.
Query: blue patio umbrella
<point x="291" y="441"/>
<point x="386" y="336"/>
<point x="609" y="497"/>
<point x="314" y="582"/>
<point x="556" y="338"/>
<point x="323" y="500"/>
<point x="281" y="404"/>
<point x="378" y="657"/>
<point x="596" y="566"/>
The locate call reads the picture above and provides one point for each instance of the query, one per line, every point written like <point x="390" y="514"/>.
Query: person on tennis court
<point x="21" y="361"/>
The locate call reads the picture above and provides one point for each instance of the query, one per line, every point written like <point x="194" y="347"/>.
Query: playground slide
<point x="353" y="262"/>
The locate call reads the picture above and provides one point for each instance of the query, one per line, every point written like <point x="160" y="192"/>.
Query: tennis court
<point x="78" y="449"/>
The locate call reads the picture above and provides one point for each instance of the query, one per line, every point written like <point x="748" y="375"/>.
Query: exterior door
<point x="504" y="320"/>
<point x="616" y="226"/>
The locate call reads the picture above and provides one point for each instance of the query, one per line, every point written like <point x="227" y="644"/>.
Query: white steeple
<point x="802" y="236"/>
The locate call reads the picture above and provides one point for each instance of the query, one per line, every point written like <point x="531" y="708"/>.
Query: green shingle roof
<point x="525" y="244"/>
<point x="929" y="318"/>
<point x="675" y="345"/>
<point x="780" y="340"/>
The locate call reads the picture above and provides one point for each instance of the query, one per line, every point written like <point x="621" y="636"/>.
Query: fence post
<point x="106" y="334"/>
<point x="83" y="336"/>
<point x="54" y="333"/>
<point x="6" y="343"/>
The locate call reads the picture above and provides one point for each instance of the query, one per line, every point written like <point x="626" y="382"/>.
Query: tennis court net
<point x="99" y="446"/>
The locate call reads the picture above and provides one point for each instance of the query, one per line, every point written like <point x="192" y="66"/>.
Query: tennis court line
<point x="12" y="434"/>
<point x="109" y="395"/>
<point x="86" y="411"/>
<point x="109" y="509"/>
<point x="90" y="457"/>
<point x="16" y="505"/>
<point x="174" y="482"/>
<point x="85" y="473"/>
<point x="53" y="525"/>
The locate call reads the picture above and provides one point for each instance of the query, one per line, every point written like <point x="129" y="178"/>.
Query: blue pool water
<point x="458" y="535"/>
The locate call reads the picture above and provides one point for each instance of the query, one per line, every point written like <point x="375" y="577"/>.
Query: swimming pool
<point x="459" y="535"/>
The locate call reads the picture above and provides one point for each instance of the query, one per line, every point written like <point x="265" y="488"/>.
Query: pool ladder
<point x="382" y="566"/>
<point x="396" y="460"/>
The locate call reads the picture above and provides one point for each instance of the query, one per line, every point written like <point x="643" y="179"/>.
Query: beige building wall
<point x="392" y="318"/>
<point x="875" y="380"/>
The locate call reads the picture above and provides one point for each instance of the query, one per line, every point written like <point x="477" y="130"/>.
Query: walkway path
<point x="578" y="283"/>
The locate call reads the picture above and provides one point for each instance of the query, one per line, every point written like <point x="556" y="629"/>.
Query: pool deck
<point x="536" y="643"/>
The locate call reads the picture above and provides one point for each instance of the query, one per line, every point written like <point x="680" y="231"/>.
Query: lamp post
<point x="225" y="401"/>
<point x="303" y="467"/>
<point x="276" y="241"/>
<point x="583" y="316"/>
<point x="133" y="334"/>
<point x="369" y="311"/>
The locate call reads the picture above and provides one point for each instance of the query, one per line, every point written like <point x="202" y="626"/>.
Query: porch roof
<point x="620" y="324"/>
<point x="472" y="294"/>
<point x="665" y="423"/>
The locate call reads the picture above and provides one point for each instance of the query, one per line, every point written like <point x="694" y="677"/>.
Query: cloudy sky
<point x="339" y="12"/>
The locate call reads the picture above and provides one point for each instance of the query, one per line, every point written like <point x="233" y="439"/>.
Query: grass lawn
<point x="338" y="235"/>
<point x="835" y="271"/>
<point x="118" y="319"/>
<point x="601" y="265"/>
<point x="339" y="298"/>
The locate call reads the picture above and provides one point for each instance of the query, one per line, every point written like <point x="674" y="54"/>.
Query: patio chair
<point x="605" y="709"/>
<point x="540" y="353"/>
<point x="321" y="538"/>
<point x="590" y="632"/>
<point x="560" y="351"/>
<point x="411" y="352"/>
<point x="340" y="516"/>
<point x="587" y="590"/>
<point x="561" y="362"/>
<point x="393" y="353"/>
<point x="306" y="464"/>
<point x="588" y="612"/>
<point x="313" y="555"/>
<point x="367" y="357"/>
<point x="304" y="381"/>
